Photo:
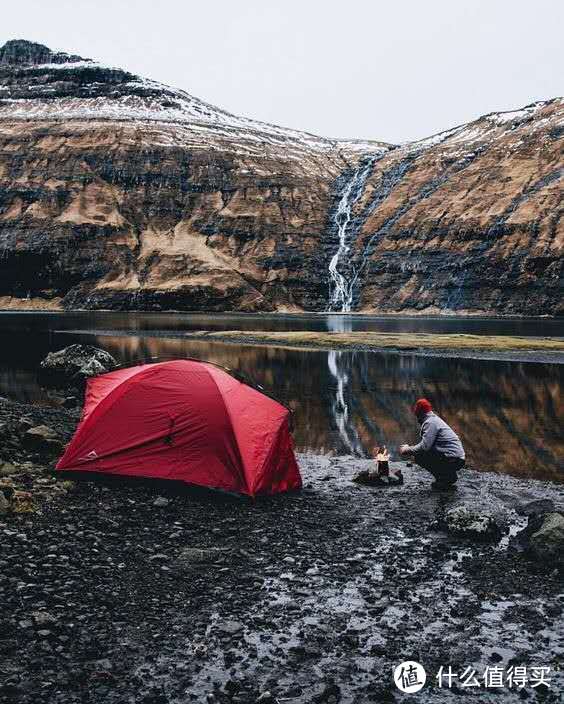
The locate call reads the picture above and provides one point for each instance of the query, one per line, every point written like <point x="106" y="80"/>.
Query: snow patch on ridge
<point x="489" y="127"/>
<point x="148" y="100"/>
<point x="126" y="97"/>
<point x="501" y="118"/>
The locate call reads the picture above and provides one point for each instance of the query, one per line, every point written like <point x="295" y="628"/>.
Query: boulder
<point x="70" y="402"/>
<point x="471" y="523"/>
<point x="24" y="424"/>
<point x="7" y="469"/>
<point x="44" y="618"/>
<point x="535" y="507"/>
<point x="230" y="628"/>
<point x="22" y="502"/>
<point x="5" y="504"/>
<point x="194" y="558"/>
<point x="77" y="361"/>
<point x="363" y="477"/>
<point x="43" y="439"/>
<point x="367" y="478"/>
<point x="546" y="539"/>
<point x="92" y="368"/>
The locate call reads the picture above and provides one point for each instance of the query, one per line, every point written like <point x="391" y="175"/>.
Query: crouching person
<point x="440" y="450"/>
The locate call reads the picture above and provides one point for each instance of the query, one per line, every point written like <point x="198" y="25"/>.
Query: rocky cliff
<point x="470" y="220"/>
<point x="120" y="192"/>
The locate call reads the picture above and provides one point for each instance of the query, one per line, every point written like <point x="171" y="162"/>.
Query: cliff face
<point x="119" y="192"/>
<point x="470" y="220"/>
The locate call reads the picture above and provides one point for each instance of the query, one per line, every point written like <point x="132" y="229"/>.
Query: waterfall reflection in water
<point x="338" y="368"/>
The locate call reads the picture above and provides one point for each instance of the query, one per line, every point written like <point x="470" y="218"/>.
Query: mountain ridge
<point x="147" y="88"/>
<point x="184" y="206"/>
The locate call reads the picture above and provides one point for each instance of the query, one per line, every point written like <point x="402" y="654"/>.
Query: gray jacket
<point x="438" y="436"/>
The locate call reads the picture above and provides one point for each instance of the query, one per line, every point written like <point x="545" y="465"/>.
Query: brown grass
<point x="386" y="340"/>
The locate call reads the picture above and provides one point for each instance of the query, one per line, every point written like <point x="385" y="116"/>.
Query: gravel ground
<point x="132" y="592"/>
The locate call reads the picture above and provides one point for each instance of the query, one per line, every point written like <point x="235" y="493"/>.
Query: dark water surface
<point x="510" y="414"/>
<point x="177" y="322"/>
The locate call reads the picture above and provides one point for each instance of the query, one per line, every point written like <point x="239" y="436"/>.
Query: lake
<point x="510" y="415"/>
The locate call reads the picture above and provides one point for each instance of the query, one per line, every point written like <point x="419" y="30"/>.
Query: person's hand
<point x="404" y="450"/>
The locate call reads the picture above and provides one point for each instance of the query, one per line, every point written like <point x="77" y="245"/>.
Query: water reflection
<point x="510" y="415"/>
<point x="178" y="322"/>
<point x="339" y="367"/>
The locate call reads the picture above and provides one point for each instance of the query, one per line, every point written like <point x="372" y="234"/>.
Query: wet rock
<point x="546" y="543"/>
<point x="23" y="502"/>
<point x="471" y="523"/>
<point x="537" y="506"/>
<point x="44" y="439"/>
<point x="104" y="665"/>
<point x="92" y="368"/>
<point x="81" y="361"/>
<point x="7" y="490"/>
<point x="191" y="561"/>
<point x="7" y="468"/>
<point x="229" y="628"/>
<point x="158" y="557"/>
<point x="43" y="618"/>
<point x="189" y="556"/>
<point x="5" y="504"/>
<point x="24" y="424"/>
<point x="367" y="478"/>
<point x="327" y="694"/>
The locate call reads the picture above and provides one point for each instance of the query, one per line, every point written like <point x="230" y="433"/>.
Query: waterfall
<point x="342" y="279"/>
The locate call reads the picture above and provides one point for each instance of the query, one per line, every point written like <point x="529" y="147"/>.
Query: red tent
<point x="184" y="420"/>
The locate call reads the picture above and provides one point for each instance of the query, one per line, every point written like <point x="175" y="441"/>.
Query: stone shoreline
<point x="128" y="591"/>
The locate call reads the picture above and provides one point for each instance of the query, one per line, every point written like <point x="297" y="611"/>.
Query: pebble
<point x="229" y="627"/>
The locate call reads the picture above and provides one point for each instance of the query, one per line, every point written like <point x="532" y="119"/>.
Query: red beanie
<point x="421" y="407"/>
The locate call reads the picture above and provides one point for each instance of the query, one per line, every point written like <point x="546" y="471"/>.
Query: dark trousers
<point x="443" y="468"/>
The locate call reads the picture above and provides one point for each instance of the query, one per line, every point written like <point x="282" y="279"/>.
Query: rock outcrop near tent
<point x="119" y="192"/>
<point x="76" y="362"/>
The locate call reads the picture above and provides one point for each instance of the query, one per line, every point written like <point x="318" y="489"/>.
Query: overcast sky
<point x="392" y="70"/>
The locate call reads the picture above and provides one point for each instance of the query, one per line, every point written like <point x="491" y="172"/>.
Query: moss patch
<point x="384" y="340"/>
